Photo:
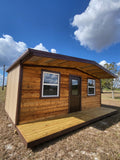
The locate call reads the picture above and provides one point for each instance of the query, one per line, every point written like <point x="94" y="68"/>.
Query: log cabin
<point x="41" y="85"/>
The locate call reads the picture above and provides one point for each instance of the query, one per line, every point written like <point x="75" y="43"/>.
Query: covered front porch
<point x="45" y="130"/>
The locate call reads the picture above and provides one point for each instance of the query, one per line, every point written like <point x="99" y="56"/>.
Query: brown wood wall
<point x="33" y="107"/>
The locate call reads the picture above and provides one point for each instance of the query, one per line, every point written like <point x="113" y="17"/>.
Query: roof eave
<point x="32" y="52"/>
<point x="19" y="60"/>
<point x="69" y="58"/>
<point x="106" y="70"/>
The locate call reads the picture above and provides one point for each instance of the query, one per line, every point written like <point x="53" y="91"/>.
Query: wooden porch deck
<point x="44" y="130"/>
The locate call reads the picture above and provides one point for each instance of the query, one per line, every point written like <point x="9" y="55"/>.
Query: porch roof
<point x="42" y="58"/>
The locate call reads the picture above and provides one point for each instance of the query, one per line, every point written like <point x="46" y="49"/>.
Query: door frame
<point x="70" y="77"/>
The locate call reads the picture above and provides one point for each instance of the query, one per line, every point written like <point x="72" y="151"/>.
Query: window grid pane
<point x="91" y="91"/>
<point x="50" y="84"/>
<point x="91" y="82"/>
<point x="50" y="78"/>
<point x="50" y="90"/>
<point x="91" y="87"/>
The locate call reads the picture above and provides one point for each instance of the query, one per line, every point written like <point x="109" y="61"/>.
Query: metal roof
<point x="32" y="57"/>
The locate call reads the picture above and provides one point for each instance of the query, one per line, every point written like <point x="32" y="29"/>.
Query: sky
<point x="88" y="29"/>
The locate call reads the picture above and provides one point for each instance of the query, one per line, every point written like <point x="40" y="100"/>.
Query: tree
<point x="108" y="83"/>
<point x="116" y="82"/>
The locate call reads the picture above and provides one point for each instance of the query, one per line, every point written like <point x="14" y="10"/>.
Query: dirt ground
<point x="98" y="141"/>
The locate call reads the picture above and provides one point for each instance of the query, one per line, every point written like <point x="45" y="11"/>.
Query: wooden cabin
<point x="42" y="85"/>
<point x="49" y="95"/>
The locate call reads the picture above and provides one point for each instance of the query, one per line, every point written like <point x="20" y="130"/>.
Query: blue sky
<point x="53" y="24"/>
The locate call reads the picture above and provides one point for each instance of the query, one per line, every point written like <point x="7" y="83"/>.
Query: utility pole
<point x="3" y="77"/>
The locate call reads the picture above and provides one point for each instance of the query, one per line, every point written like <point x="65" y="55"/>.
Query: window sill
<point x="49" y="97"/>
<point x="91" y="95"/>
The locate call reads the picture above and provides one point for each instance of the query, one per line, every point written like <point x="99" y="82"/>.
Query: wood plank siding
<point x="33" y="107"/>
<point x="12" y="92"/>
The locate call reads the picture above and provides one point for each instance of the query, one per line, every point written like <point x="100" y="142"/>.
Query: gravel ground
<point x="98" y="141"/>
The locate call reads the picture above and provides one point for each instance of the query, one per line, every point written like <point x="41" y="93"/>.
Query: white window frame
<point x="48" y="84"/>
<point x="91" y="87"/>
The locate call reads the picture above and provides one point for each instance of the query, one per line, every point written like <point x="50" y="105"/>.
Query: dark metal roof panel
<point x="32" y="52"/>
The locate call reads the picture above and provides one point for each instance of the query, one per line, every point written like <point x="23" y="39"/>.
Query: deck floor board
<point x="41" y="129"/>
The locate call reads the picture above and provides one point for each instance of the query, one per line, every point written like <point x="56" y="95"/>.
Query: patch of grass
<point x="108" y="95"/>
<point x="106" y="89"/>
<point x="109" y="90"/>
<point x="2" y="94"/>
<point x="117" y="98"/>
<point x="106" y="98"/>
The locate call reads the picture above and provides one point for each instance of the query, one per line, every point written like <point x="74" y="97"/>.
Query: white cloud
<point x="53" y="50"/>
<point x="118" y="64"/>
<point x="10" y="49"/>
<point x="40" y="47"/>
<point x="99" y="25"/>
<point x="103" y="62"/>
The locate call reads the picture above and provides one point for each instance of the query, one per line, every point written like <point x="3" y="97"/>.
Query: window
<point x="50" y="84"/>
<point x="91" y="87"/>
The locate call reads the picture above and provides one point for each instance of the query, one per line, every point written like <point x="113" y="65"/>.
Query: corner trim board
<point x="100" y="92"/>
<point x="19" y="95"/>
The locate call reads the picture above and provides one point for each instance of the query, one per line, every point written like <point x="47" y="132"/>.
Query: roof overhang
<point x="42" y="58"/>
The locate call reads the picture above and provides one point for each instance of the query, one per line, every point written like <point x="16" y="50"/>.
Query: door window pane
<point x="75" y="87"/>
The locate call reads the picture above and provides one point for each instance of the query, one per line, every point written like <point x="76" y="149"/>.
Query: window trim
<point x="43" y="84"/>
<point x="91" y="87"/>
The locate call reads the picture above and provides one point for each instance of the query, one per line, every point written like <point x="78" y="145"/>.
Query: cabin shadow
<point x="102" y="125"/>
<point x="107" y="122"/>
